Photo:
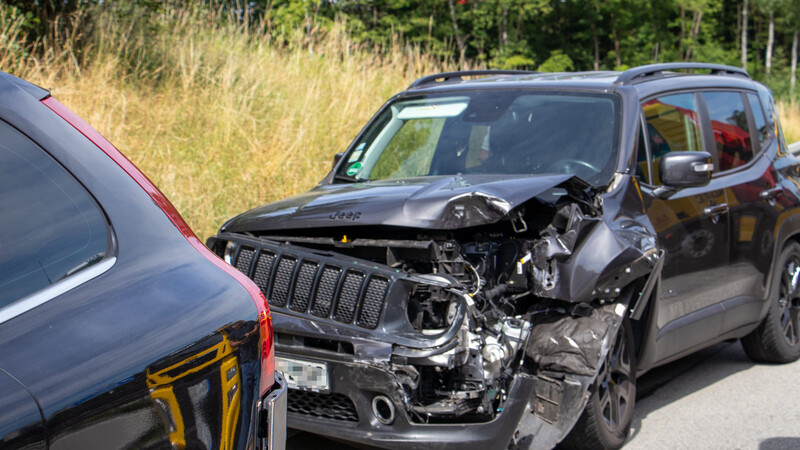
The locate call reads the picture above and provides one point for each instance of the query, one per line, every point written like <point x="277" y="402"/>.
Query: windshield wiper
<point x="348" y="179"/>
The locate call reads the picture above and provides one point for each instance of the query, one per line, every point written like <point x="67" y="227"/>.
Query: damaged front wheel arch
<point x="606" y="420"/>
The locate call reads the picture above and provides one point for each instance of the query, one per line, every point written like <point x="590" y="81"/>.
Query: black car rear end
<point x="153" y="341"/>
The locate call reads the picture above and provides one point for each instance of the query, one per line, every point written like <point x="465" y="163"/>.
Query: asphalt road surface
<point x="720" y="399"/>
<point x="714" y="399"/>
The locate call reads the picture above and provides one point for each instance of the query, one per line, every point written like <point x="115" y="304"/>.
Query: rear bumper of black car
<point x="272" y="411"/>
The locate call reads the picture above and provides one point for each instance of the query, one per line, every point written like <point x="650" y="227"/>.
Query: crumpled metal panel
<point x="441" y="203"/>
<point x="572" y="369"/>
<point x="571" y="344"/>
<point x="595" y="257"/>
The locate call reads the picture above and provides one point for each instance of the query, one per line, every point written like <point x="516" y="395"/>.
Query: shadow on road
<point x="729" y="359"/>
<point x="779" y="443"/>
<point x="726" y="364"/>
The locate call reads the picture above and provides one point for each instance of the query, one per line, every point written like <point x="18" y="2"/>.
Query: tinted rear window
<point x="731" y="131"/>
<point x="50" y="227"/>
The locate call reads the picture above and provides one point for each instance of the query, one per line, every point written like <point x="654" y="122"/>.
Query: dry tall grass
<point x="790" y="120"/>
<point x="224" y="120"/>
<point x="217" y="115"/>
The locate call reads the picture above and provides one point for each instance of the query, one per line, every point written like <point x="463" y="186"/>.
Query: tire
<point x="777" y="338"/>
<point x="606" y="420"/>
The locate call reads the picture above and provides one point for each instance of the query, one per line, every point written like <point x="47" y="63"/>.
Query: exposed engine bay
<point x="537" y="295"/>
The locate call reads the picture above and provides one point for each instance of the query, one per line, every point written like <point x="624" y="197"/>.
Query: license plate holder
<point x="303" y="374"/>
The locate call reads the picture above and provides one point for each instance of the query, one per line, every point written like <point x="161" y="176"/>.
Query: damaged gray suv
<point x="498" y="255"/>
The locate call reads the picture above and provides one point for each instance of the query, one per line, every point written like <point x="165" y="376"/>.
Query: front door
<point x="693" y="229"/>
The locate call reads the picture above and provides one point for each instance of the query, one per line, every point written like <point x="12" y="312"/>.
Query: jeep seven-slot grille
<point x="263" y="270"/>
<point x="348" y="297"/>
<point x="326" y="289"/>
<point x="303" y="286"/>
<point x="245" y="259"/>
<point x="283" y="280"/>
<point x="373" y="303"/>
<point x="321" y="289"/>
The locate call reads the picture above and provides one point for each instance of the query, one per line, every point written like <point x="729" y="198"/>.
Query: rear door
<point x="744" y="150"/>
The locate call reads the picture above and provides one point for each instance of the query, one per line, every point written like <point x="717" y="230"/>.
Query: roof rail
<point x="634" y="74"/>
<point x="447" y="76"/>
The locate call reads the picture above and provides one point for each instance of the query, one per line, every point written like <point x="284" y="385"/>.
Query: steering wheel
<point x="574" y="166"/>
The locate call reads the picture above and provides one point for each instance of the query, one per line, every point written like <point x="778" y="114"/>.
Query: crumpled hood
<point x="447" y="202"/>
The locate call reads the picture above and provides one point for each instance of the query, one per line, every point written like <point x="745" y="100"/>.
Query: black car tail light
<point x="264" y="318"/>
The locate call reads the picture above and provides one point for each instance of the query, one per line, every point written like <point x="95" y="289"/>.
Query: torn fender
<point x="580" y="258"/>
<point x="569" y="352"/>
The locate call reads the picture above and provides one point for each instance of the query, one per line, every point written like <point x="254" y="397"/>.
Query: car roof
<point x="30" y="88"/>
<point x="646" y="80"/>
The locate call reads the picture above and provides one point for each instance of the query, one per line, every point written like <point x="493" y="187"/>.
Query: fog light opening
<point x="383" y="408"/>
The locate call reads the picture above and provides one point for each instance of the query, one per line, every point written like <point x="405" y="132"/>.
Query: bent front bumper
<point x="356" y="422"/>
<point x="272" y="416"/>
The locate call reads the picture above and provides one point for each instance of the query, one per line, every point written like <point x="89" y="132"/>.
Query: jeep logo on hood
<point x="345" y="215"/>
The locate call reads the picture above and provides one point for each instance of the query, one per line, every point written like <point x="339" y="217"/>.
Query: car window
<point x="409" y="154"/>
<point x="762" y="129"/>
<point x="772" y="119"/>
<point x="731" y="132"/>
<point x="499" y="132"/>
<point x="50" y="227"/>
<point x="672" y="126"/>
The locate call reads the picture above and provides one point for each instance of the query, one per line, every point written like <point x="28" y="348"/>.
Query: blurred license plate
<point x="308" y="375"/>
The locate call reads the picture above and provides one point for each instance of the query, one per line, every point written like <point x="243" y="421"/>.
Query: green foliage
<point x="516" y="62"/>
<point x="557" y="62"/>
<point x="511" y="34"/>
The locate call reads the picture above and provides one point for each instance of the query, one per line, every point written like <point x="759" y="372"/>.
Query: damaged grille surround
<point x="353" y="293"/>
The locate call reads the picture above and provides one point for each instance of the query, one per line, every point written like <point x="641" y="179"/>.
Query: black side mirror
<point x="336" y="158"/>
<point x="679" y="170"/>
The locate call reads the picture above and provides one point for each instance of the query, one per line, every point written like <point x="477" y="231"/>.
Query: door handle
<point x="715" y="210"/>
<point x="771" y="194"/>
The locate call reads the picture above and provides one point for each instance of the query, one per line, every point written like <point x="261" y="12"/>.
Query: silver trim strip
<point x="26" y="304"/>
<point x="274" y="406"/>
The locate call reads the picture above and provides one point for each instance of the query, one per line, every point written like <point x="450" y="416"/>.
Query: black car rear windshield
<point x="490" y="132"/>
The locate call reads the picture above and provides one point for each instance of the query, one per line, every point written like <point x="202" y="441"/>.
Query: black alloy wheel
<point x="616" y="388"/>
<point x="788" y="303"/>
<point x="606" y="421"/>
<point x="777" y="338"/>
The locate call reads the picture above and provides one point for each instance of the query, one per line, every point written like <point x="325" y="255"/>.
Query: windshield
<point x="490" y="132"/>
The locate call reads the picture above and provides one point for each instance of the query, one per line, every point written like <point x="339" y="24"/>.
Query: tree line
<point x="545" y="35"/>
